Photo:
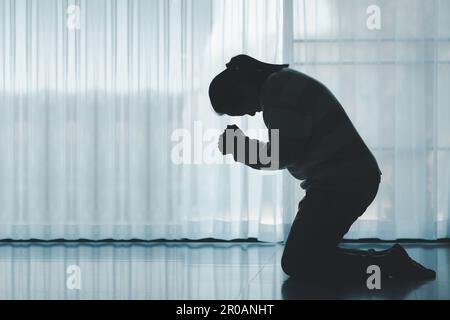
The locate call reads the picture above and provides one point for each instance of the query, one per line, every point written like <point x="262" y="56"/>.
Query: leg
<point x="324" y="217"/>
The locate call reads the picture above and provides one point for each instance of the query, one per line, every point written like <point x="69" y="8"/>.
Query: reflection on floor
<point x="186" y="271"/>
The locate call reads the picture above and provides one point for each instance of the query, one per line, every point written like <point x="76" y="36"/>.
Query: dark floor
<point x="188" y="271"/>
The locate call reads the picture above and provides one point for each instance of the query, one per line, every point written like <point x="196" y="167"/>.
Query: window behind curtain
<point x="393" y="82"/>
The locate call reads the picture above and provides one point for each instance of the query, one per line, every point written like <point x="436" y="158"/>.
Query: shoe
<point x="400" y="266"/>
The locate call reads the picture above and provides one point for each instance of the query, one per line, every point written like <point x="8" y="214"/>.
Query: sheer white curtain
<point x="97" y="100"/>
<point x="394" y="82"/>
<point x="106" y="129"/>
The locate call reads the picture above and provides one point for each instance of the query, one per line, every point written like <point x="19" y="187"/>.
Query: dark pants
<point x="324" y="217"/>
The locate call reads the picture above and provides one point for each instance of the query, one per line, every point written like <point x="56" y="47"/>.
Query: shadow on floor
<point x="294" y="289"/>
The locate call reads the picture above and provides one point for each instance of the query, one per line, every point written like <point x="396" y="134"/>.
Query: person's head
<point x="236" y="91"/>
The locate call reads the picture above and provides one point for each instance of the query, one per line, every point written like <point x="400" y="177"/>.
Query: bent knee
<point x="304" y="262"/>
<point x="297" y="264"/>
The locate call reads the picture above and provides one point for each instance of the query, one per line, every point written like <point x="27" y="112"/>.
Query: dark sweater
<point x="317" y="141"/>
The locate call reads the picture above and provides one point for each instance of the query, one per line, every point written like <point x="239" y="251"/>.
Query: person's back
<point x="314" y="130"/>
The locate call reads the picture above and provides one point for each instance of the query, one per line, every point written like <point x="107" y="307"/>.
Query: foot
<point x="402" y="267"/>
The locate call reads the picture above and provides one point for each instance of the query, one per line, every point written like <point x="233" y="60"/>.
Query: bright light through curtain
<point x="106" y="129"/>
<point x="394" y="82"/>
<point x="97" y="100"/>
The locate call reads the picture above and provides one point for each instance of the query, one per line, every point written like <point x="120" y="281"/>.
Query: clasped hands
<point x="231" y="131"/>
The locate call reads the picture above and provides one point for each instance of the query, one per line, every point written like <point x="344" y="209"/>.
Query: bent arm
<point x="280" y="152"/>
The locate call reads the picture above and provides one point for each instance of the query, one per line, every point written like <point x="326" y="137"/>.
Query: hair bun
<point x="244" y="62"/>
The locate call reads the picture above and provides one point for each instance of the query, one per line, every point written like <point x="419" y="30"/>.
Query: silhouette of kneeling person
<point x="318" y="144"/>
